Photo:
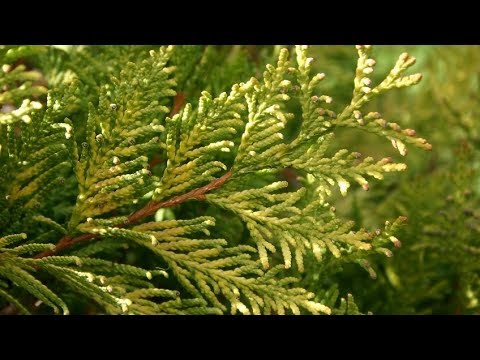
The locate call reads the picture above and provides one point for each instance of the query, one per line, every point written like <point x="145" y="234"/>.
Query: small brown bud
<point x="394" y="126"/>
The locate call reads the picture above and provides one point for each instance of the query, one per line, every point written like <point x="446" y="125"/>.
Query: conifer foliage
<point x="123" y="170"/>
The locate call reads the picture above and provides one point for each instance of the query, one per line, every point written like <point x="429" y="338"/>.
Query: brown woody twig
<point x="149" y="209"/>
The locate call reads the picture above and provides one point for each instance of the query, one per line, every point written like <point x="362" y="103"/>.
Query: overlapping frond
<point x="288" y="220"/>
<point x="115" y="287"/>
<point x="208" y="269"/>
<point x="196" y="139"/>
<point x="113" y="167"/>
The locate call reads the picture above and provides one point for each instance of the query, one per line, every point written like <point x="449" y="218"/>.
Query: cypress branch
<point x="127" y="133"/>
<point x="150" y="209"/>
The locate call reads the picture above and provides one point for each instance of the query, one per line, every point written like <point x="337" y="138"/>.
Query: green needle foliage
<point x="124" y="169"/>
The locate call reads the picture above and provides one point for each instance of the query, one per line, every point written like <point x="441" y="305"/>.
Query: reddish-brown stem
<point x="149" y="209"/>
<point x="157" y="159"/>
<point x="178" y="102"/>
